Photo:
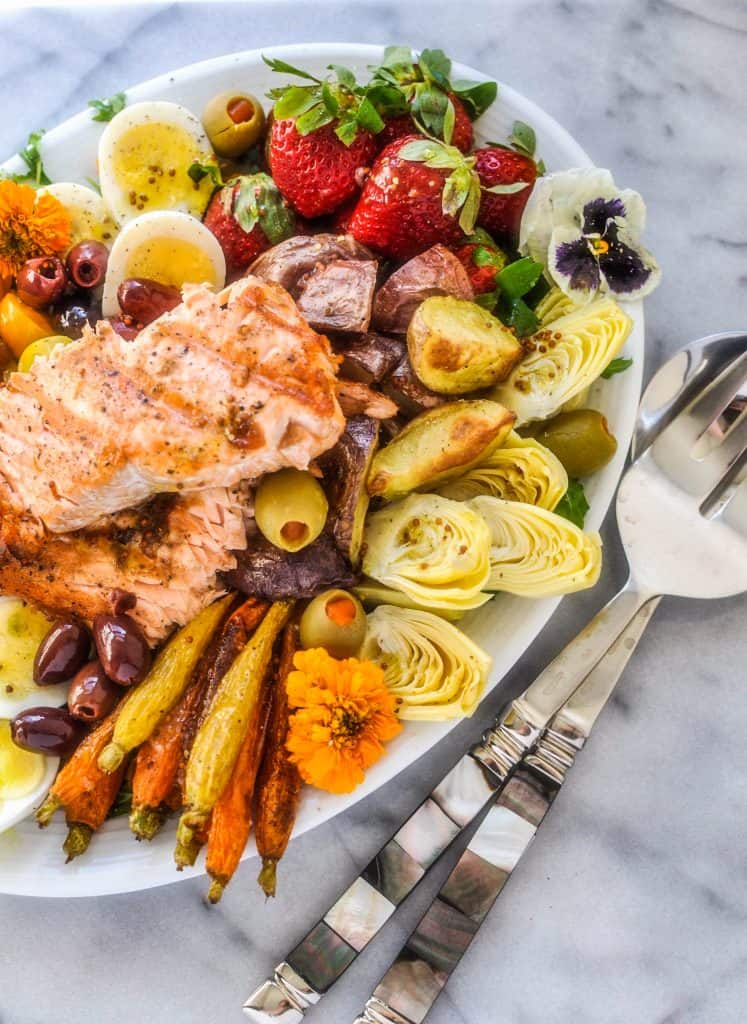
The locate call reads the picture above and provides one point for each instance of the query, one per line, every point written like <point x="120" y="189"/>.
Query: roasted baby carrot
<point x="278" y="782"/>
<point x="159" y="762"/>
<point x="84" y="791"/>
<point x="220" y="736"/>
<point x="231" y="820"/>
<point x="161" y="689"/>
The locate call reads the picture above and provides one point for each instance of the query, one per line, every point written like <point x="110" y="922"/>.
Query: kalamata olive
<point x="146" y="300"/>
<point x="87" y="262"/>
<point x="92" y="694"/>
<point x="125" y="326"/>
<point x="73" y="312"/>
<point x="46" y="731"/>
<point x="122" y="648"/>
<point x="41" y="281"/>
<point x="62" y="652"/>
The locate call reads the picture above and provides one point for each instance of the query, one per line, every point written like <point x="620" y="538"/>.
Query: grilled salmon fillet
<point x="166" y="553"/>
<point x="223" y="388"/>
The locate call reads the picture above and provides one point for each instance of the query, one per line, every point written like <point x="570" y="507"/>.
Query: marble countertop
<point x="632" y="904"/>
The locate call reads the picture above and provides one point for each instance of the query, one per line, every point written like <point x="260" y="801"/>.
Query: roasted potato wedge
<point x="337" y="296"/>
<point x="346" y="467"/>
<point x="437" y="271"/>
<point x="409" y="394"/>
<point x="456" y="346"/>
<point x="438" y="446"/>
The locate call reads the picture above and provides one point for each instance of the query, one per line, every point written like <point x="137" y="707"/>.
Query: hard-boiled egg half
<point x="89" y="214"/>
<point x="145" y="154"/>
<point x="165" y="246"/>
<point x="24" y="776"/>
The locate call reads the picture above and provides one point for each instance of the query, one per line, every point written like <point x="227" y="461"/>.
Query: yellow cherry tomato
<point x="20" y="324"/>
<point x="42" y="347"/>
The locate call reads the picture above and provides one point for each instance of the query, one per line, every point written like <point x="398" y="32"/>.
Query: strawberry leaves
<point x="460" y="197"/>
<point x="258" y="201"/>
<point x="424" y="86"/>
<point x="337" y="100"/>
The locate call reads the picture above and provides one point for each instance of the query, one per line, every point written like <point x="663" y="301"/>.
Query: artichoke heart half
<point x="435" y="551"/>
<point x="564" y="359"/>
<point x="521" y="470"/>
<point x="431" y="667"/>
<point x="552" y="306"/>
<point x="536" y="553"/>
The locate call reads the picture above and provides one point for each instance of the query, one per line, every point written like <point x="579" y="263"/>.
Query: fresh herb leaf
<point x="573" y="506"/>
<point x="523" y="138"/>
<point x="619" y="365"/>
<point x="284" y="68"/>
<point x="94" y="184"/>
<point x="519" y="277"/>
<point x="105" y="110"/>
<point x="476" y="96"/>
<point x="517" y="314"/>
<point x="488" y="300"/>
<point x="31" y="156"/>
<point x="198" y="172"/>
<point x="122" y="802"/>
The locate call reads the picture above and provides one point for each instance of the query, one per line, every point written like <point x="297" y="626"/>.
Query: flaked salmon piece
<point x="166" y="553"/>
<point x="223" y="388"/>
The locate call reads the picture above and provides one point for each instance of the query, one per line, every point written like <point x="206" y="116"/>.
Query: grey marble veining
<point x="632" y="904"/>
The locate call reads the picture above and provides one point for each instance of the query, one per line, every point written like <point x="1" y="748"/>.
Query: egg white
<point x="28" y="694"/>
<point x="15" y="809"/>
<point x="161" y="226"/>
<point x="118" y="193"/>
<point x="89" y="213"/>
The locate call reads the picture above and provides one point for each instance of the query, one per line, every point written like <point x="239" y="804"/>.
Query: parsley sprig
<point x="105" y="110"/>
<point x="619" y="365"/>
<point x="31" y="155"/>
<point x="574" y="505"/>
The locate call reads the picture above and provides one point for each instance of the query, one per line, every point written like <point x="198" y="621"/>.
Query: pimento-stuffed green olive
<point x="334" y="620"/>
<point x="581" y="439"/>
<point x="234" y="122"/>
<point x="290" y="508"/>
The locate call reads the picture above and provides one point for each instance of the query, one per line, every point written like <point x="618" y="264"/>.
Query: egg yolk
<point x="22" y="629"/>
<point x="84" y="225"/>
<point x="20" y="770"/>
<point x="150" y="165"/>
<point x="171" y="261"/>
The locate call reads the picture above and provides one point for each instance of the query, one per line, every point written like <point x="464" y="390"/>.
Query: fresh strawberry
<point x="483" y="261"/>
<point x="247" y="216"/>
<point x="502" y="171"/>
<point x="316" y="172"/>
<point x="419" y="192"/>
<point x="321" y="139"/>
<point x="400" y="125"/>
<point x="421" y="86"/>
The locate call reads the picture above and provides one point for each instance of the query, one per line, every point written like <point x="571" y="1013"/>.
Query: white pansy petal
<point x="635" y="211"/>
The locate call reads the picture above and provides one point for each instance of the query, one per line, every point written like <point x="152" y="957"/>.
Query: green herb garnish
<point x="619" y="365"/>
<point x="198" y="172"/>
<point x="123" y="801"/>
<point x="105" y="110"/>
<point x="573" y="506"/>
<point x="31" y="156"/>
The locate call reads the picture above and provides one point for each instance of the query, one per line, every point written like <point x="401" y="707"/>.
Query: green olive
<point x="290" y="508"/>
<point x="234" y="121"/>
<point x="581" y="439"/>
<point x="334" y="620"/>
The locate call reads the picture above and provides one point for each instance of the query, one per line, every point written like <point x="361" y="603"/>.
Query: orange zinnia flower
<point x="343" y="712"/>
<point x="30" y="225"/>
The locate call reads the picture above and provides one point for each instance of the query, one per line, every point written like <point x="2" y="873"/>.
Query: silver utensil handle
<point x="423" y="966"/>
<point x="326" y="952"/>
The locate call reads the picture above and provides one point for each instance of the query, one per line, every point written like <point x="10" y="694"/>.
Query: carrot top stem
<point x="47" y="810"/>
<point x="146" y="822"/>
<point x="78" y="838"/>
<point x="267" y="877"/>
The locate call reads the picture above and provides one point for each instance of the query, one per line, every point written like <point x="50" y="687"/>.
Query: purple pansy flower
<point x="586" y="232"/>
